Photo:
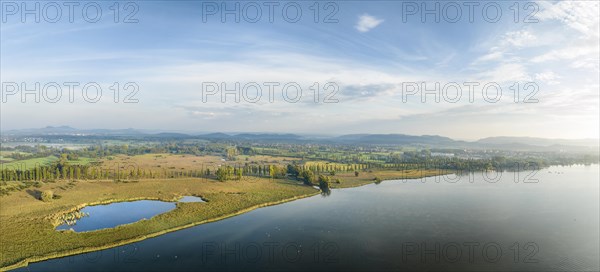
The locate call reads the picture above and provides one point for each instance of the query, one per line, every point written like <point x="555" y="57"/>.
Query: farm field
<point x="45" y="161"/>
<point x="186" y="162"/>
<point x="30" y="163"/>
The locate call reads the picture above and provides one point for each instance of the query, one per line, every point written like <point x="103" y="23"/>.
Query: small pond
<point x="114" y="214"/>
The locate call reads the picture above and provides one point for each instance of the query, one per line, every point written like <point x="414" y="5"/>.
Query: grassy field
<point x="83" y="161"/>
<point x="315" y="163"/>
<point x="28" y="224"/>
<point x="175" y="162"/>
<point x="348" y="179"/>
<point x="30" y="163"/>
<point x="33" y="163"/>
<point x="6" y="160"/>
<point x="6" y="153"/>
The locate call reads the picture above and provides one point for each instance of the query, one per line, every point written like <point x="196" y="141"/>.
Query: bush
<point x="377" y="180"/>
<point x="47" y="196"/>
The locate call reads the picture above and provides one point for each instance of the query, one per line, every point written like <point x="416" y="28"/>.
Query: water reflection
<point x="324" y="185"/>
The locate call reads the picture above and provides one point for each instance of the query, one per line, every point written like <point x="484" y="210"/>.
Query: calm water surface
<point x="477" y="222"/>
<point x="119" y="213"/>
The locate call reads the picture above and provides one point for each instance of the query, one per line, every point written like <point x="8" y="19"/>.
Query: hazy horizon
<point x="306" y="134"/>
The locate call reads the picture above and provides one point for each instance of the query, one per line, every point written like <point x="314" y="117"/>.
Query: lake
<point x="537" y="221"/>
<point x="114" y="214"/>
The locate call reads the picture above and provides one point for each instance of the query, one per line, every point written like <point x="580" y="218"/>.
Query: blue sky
<point x="371" y="50"/>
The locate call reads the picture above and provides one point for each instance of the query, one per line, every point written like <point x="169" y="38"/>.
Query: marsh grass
<point x="28" y="224"/>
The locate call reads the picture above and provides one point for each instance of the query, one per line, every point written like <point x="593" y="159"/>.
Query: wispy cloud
<point x="367" y="22"/>
<point x="170" y="62"/>
<point x="548" y="77"/>
<point x="579" y="15"/>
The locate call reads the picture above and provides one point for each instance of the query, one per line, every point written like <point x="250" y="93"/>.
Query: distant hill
<point x="67" y="130"/>
<point x="169" y="135"/>
<point x="503" y="143"/>
<point x="267" y="136"/>
<point x="216" y="135"/>
<point x="251" y="136"/>
<point x="531" y="141"/>
<point x="45" y="130"/>
<point x="397" y="139"/>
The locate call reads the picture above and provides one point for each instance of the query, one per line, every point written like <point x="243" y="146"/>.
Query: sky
<point x="521" y="68"/>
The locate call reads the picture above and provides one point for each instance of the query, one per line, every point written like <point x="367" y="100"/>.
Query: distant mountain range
<point x="67" y="130"/>
<point x="537" y="141"/>
<point x="509" y="143"/>
<point x="397" y="139"/>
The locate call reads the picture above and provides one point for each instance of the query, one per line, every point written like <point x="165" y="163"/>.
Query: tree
<point x="307" y="176"/>
<point x="224" y="173"/>
<point x="324" y="185"/>
<point x="293" y="170"/>
<point x="231" y="153"/>
<point x="323" y="180"/>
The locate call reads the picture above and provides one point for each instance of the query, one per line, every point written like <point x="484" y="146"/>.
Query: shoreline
<point x="25" y="262"/>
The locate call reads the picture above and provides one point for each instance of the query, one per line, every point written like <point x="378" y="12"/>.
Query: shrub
<point x="377" y="180"/>
<point x="47" y="195"/>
